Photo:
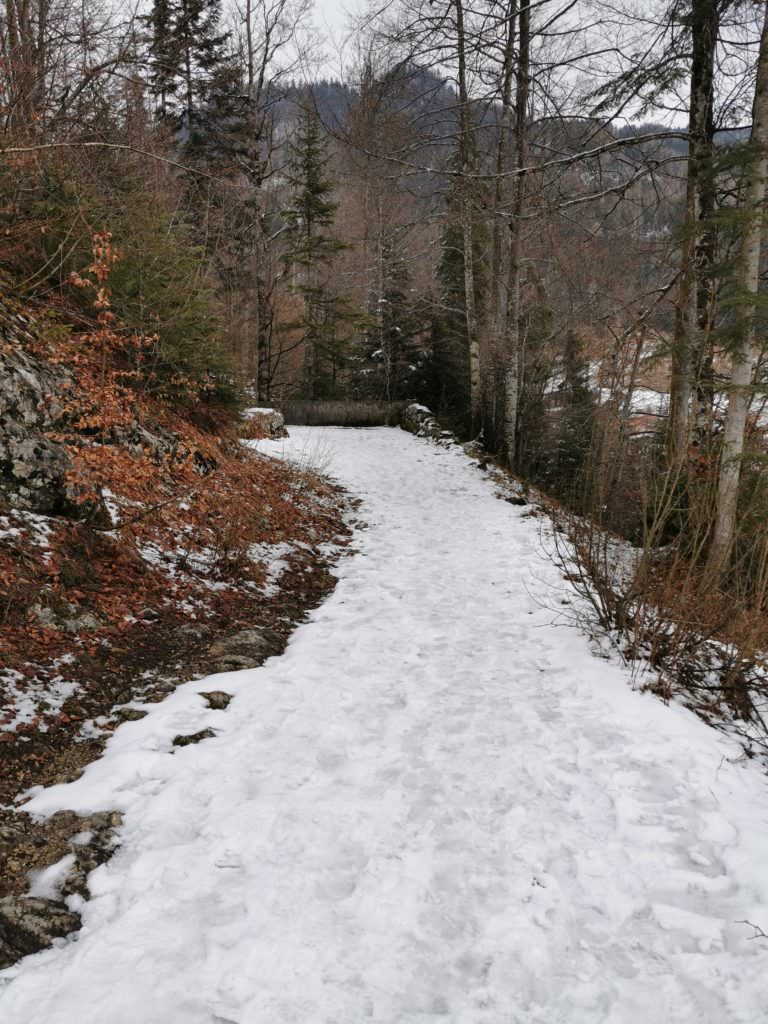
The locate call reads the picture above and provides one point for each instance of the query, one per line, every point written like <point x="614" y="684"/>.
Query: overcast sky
<point x="332" y="18"/>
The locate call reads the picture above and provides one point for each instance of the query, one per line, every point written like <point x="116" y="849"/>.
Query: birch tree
<point x="746" y="351"/>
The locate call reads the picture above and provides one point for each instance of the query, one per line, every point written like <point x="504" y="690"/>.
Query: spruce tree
<point x="450" y="383"/>
<point x="394" y="359"/>
<point x="163" y="54"/>
<point x="572" y="431"/>
<point x="310" y="251"/>
<point x="186" y="51"/>
<point x="311" y="213"/>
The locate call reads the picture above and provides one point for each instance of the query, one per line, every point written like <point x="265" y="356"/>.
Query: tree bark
<point x="468" y="163"/>
<point x="691" y="365"/>
<point x="512" y="371"/>
<point x="745" y="355"/>
<point x="500" y="234"/>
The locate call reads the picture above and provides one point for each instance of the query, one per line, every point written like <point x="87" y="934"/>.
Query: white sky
<point x="332" y="18"/>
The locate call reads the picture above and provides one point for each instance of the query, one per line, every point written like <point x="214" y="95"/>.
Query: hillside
<point x="140" y="545"/>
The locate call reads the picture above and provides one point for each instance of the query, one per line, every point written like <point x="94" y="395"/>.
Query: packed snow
<point x="437" y="804"/>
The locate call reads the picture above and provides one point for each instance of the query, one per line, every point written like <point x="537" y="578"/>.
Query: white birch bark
<point x="745" y="355"/>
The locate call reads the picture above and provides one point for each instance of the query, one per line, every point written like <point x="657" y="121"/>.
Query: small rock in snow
<point x="29" y="923"/>
<point x="195" y="737"/>
<point x="217" y="699"/>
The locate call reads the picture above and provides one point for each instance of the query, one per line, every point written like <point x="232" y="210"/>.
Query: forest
<point x="335" y="724"/>
<point x="543" y="221"/>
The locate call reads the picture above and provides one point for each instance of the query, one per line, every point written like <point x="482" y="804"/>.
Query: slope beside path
<point x="436" y="805"/>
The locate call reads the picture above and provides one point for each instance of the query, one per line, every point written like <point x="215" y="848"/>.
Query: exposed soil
<point x="167" y="647"/>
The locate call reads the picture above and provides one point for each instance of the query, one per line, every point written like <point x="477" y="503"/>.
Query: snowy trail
<point x="437" y="805"/>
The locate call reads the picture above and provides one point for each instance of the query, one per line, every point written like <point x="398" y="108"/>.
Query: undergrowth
<point x="168" y="508"/>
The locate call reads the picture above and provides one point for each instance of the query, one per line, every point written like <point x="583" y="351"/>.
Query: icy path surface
<point x="437" y="805"/>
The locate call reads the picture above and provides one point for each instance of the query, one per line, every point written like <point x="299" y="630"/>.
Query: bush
<point x="161" y="286"/>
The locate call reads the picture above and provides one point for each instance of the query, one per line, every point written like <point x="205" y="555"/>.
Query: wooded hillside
<point x="543" y="221"/>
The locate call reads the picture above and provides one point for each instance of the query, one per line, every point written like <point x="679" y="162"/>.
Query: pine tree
<point x="450" y="378"/>
<point x="572" y="436"/>
<point x="311" y="213"/>
<point x="310" y="251"/>
<point x="186" y="51"/>
<point x="163" y="54"/>
<point x="393" y="359"/>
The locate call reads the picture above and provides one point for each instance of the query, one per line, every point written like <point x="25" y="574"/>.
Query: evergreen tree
<point x="310" y="252"/>
<point x="400" y="328"/>
<point x="186" y="51"/>
<point x="394" y="358"/>
<point x="572" y="431"/>
<point x="163" y="55"/>
<point x="450" y="377"/>
<point x="311" y="213"/>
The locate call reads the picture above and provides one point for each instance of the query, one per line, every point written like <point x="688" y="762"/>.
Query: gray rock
<point x="195" y="737"/>
<point x="419" y="420"/>
<point x="33" y="468"/>
<point x="44" y="615"/>
<point x="95" y="850"/>
<point x="129" y="714"/>
<point x="85" y="623"/>
<point x="234" y="663"/>
<point x="29" y="924"/>
<point x="245" y="649"/>
<point x="263" y="423"/>
<point x="64" y="618"/>
<point x="217" y="699"/>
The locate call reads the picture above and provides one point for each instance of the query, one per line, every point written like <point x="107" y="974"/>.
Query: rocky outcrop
<point x="161" y="445"/>
<point x="33" y="468"/>
<point x="31" y="923"/>
<point x="34" y="463"/>
<point x="63" y="616"/>
<point x="258" y="423"/>
<point x="421" y="421"/>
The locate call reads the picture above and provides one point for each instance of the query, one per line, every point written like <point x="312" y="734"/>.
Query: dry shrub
<point x="686" y="633"/>
<point x="343" y="414"/>
<point x="180" y="505"/>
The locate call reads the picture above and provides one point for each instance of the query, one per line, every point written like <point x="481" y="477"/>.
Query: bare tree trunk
<point x="745" y="356"/>
<point x="512" y="372"/>
<point x="706" y="24"/>
<point x="691" y="366"/>
<point x="500" y="233"/>
<point x="264" y="354"/>
<point x="188" y="83"/>
<point x="466" y="155"/>
<point x="685" y="320"/>
<point x="249" y="47"/>
<point x="25" y="64"/>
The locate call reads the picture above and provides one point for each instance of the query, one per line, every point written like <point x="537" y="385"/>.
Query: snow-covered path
<point x="437" y="805"/>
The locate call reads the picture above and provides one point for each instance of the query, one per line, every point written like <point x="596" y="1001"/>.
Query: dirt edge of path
<point x="58" y="853"/>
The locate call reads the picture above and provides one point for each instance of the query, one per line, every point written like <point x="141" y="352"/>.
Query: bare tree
<point x="745" y="356"/>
